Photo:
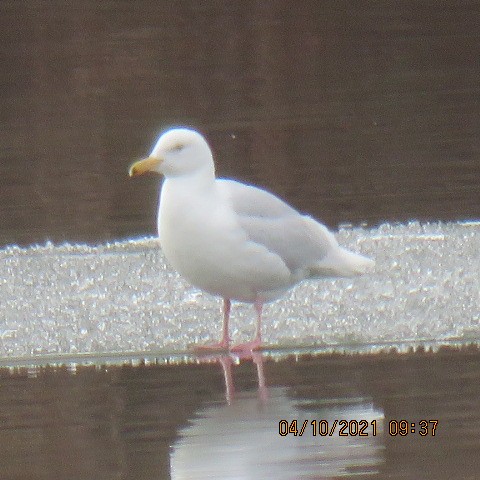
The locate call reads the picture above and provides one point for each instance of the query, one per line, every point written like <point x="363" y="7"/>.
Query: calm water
<point x="180" y="421"/>
<point x="353" y="111"/>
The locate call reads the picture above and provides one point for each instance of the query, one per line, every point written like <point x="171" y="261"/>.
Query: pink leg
<point x="224" y="343"/>
<point x="226" y="362"/>
<point x="262" y="387"/>
<point x="256" y="343"/>
<point x="226" y="317"/>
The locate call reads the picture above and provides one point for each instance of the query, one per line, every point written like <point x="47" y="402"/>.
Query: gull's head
<point x="180" y="151"/>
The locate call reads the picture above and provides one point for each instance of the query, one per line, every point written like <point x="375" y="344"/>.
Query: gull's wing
<point x="298" y="240"/>
<point x="253" y="201"/>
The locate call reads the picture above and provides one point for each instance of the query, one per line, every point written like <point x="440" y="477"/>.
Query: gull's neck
<point x="183" y="191"/>
<point x="200" y="179"/>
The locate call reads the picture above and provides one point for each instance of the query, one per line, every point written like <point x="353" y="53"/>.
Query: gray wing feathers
<point x="291" y="237"/>
<point x="298" y="240"/>
<point x="306" y="246"/>
<point x="252" y="201"/>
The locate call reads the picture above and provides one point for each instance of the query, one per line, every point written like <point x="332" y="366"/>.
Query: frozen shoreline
<point x="123" y="297"/>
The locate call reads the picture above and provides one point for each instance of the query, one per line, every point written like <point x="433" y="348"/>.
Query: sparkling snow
<point x="123" y="297"/>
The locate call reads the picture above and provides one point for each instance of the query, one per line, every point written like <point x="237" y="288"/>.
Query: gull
<point x="234" y="240"/>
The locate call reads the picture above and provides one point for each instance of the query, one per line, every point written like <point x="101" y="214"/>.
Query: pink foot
<point x="252" y="346"/>
<point x="212" y="347"/>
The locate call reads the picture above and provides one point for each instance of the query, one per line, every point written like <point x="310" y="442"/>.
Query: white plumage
<point x="235" y="240"/>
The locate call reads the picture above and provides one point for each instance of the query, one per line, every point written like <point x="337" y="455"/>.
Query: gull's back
<point x="306" y="247"/>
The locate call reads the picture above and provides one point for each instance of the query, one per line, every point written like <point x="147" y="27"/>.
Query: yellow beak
<point x="149" y="164"/>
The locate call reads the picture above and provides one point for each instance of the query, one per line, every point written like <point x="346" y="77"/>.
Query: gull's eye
<point x="177" y="147"/>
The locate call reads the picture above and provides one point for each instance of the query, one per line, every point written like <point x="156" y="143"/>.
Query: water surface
<point x="175" y="421"/>
<point x="354" y="112"/>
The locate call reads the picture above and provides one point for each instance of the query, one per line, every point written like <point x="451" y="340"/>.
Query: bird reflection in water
<point x="228" y="360"/>
<point x="241" y="439"/>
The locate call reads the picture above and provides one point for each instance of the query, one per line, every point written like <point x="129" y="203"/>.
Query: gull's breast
<point x="203" y="241"/>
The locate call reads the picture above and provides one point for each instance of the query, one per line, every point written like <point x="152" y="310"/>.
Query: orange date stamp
<point x="404" y="428"/>
<point x="356" y="428"/>
<point x="324" y="428"/>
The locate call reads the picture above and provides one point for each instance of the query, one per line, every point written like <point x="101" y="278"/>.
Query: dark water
<point x="153" y="421"/>
<point x="353" y="111"/>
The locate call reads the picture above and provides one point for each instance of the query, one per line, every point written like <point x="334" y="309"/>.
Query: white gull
<point x="236" y="240"/>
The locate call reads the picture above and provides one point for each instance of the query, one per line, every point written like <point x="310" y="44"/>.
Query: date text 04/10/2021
<point x="353" y="428"/>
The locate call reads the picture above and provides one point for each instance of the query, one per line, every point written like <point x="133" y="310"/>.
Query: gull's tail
<point x="336" y="261"/>
<point x="340" y="262"/>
